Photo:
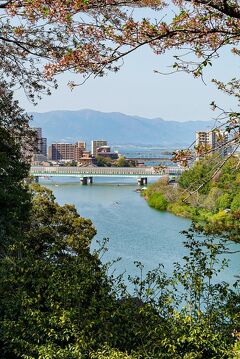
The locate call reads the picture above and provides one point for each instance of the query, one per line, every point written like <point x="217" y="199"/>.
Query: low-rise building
<point x="105" y="151"/>
<point x="87" y="159"/>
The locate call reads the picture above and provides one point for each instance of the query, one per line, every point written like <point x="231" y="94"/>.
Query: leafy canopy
<point x="92" y="37"/>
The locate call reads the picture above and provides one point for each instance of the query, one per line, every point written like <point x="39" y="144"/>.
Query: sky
<point x="137" y="90"/>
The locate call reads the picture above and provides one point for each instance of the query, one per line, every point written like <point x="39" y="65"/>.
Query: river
<point x="136" y="232"/>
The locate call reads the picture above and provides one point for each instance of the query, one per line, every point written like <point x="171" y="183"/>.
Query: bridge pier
<point x="84" y="181"/>
<point x="142" y="181"/>
<point x="86" y="174"/>
<point x="90" y="180"/>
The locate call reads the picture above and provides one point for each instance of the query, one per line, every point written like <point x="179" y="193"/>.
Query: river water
<point x="136" y="232"/>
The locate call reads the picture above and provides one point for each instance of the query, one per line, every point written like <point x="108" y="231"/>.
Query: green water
<point x="136" y="231"/>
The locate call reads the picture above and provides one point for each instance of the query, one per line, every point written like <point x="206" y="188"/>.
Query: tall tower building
<point x="43" y="146"/>
<point x="40" y="145"/>
<point x="211" y="142"/>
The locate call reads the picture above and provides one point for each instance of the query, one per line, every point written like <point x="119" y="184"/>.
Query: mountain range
<point x="116" y="128"/>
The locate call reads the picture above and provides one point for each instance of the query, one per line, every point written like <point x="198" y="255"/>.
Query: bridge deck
<point x="149" y="159"/>
<point x="102" y="171"/>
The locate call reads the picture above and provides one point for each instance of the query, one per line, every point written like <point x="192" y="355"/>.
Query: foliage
<point x="55" y="293"/>
<point x="122" y="162"/>
<point x="58" y="302"/>
<point x="15" y="149"/>
<point x="70" y="164"/>
<point x="46" y="37"/>
<point x="216" y="206"/>
<point x="92" y="37"/>
<point x="103" y="161"/>
<point x="235" y="202"/>
<point x="158" y="201"/>
<point x="201" y="171"/>
<point x="224" y="201"/>
<point x="111" y="354"/>
<point x="196" y="313"/>
<point x="108" y="162"/>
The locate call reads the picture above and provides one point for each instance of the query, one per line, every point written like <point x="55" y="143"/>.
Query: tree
<point x="122" y="162"/>
<point x="104" y="161"/>
<point x="197" y="174"/>
<point x="15" y="149"/>
<point x="43" y="38"/>
<point x="90" y="37"/>
<point x="55" y="297"/>
<point x="56" y="300"/>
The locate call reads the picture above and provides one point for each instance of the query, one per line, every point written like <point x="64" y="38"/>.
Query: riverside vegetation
<point x="57" y="300"/>
<point x="215" y="206"/>
<point x="120" y="162"/>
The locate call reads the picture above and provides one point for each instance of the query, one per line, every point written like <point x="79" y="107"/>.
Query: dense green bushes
<point x="216" y="205"/>
<point x="158" y="201"/>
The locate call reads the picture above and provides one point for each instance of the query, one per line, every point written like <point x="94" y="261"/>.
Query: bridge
<point x="149" y="159"/>
<point x="86" y="174"/>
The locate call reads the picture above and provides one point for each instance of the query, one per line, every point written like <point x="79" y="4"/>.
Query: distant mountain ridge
<point x="116" y="128"/>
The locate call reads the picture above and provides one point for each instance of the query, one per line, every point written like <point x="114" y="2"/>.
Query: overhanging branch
<point x="224" y="6"/>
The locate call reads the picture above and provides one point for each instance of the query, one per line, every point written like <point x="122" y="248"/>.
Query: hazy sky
<point x="137" y="90"/>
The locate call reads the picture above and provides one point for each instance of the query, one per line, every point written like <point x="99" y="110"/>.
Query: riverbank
<point x="214" y="205"/>
<point x="136" y="231"/>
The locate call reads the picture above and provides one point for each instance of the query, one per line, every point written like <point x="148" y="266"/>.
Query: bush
<point x="108" y="353"/>
<point x="224" y="201"/>
<point x="235" y="205"/>
<point x="157" y="200"/>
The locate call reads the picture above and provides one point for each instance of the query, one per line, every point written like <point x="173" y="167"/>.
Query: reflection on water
<point x="136" y="231"/>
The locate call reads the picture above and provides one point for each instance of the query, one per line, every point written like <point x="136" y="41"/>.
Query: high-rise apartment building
<point x="43" y="146"/>
<point x="210" y="142"/>
<point x="40" y="150"/>
<point x="82" y="145"/>
<point x="61" y="151"/>
<point x="96" y="144"/>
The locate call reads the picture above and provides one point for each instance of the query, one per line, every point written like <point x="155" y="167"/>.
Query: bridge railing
<point x="92" y="170"/>
<point x="88" y="171"/>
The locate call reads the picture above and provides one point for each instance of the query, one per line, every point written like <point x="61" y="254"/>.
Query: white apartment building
<point x="211" y="141"/>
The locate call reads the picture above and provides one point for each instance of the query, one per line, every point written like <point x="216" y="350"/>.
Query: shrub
<point x="235" y="205"/>
<point x="224" y="201"/>
<point x="157" y="200"/>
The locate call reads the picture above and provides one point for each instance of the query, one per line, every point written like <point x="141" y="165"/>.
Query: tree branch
<point x="221" y="5"/>
<point x="5" y="4"/>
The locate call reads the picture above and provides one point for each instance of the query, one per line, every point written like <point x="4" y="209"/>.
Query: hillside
<point x="115" y="127"/>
